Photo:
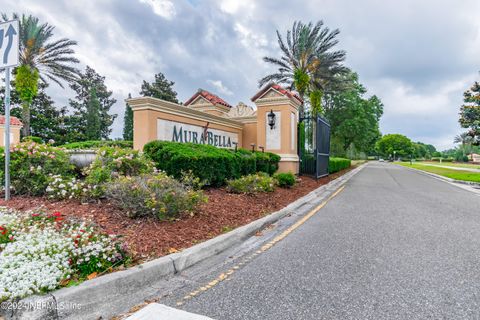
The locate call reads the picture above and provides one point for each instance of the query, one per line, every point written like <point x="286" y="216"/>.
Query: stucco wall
<point x="15" y="135"/>
<point x="249" y="134"/>
<point x="146" y="111"/>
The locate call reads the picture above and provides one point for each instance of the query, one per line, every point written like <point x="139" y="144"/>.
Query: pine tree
<point x="470" y="112"/>
<point x="93" y="125"/>
<point x="128" y="122"/>
<point x="161" y="88"/>
<point x="88" y="80"/>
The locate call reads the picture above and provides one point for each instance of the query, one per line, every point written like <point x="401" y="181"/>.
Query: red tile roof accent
<point x="280" y="89"/>
<point x="209" y="96"/>
<point x="14" y="121"/>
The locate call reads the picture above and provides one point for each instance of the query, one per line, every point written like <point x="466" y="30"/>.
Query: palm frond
<point x="54" y="60"/>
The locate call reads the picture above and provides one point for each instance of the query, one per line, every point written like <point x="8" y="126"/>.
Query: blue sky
<point x="417" y="56"/>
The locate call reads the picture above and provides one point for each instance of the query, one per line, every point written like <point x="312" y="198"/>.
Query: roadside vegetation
<point x="446" y="172"/>
<point x="41" y="251"/>
<point x="124" y="187"/>
<point x="456" y="164"/>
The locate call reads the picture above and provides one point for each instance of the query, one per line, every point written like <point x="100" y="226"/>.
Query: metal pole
<point x="7" y="134"/>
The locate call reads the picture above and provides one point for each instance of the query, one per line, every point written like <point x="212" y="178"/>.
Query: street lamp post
<point x="394" y="153"/>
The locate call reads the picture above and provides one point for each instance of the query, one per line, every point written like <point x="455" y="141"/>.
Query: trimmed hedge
<point x="337" y="164"/>
<point x="211" y="164"/>
<point x="98" y="144"/>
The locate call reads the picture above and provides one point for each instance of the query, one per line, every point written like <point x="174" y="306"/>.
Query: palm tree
<point x="463" y="138"/>
<point x="308" y="63"/>
<point x="50" y="59"/>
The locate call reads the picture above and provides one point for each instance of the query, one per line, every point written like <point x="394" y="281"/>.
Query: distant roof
<point x="14" y="121"/>
<point x="280" y="89"/>
<point x="208" y="96"/>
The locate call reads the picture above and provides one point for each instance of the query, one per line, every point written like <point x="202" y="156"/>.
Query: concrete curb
<point x="469" y="183"/>
<point x="112" y="293"/>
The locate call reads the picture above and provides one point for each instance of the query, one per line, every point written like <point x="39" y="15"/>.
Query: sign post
<point x="9" y="52"/>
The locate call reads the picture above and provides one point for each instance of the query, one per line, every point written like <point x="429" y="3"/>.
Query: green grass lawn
<point x="454" y="164"/>
<point x="449" y="173"/>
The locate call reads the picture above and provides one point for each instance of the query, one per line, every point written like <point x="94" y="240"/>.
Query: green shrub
<point x="31" y="164"/>
<point x="248" y="162"/>
<point x="285" y="180"/>
<point x="99" y="144"/>
<point x="210" y="164"/>
<point x="338" y="164"/>
<point x="113" y="162"/>
<point x="153" y="194"/>
<point x="32" y="139"/>
<point x="267" y="162"/>
<point x="253" y="183"/>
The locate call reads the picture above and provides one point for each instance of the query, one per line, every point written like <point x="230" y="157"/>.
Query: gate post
<point x="279" y="135"/>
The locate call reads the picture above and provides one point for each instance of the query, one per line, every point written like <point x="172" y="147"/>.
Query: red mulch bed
<point x="149" y="238"/>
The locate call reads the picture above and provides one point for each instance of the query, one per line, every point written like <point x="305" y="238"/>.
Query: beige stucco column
<point x="282" y="138"/>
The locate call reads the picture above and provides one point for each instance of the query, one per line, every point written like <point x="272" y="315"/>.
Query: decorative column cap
<point x="277" y="90"/>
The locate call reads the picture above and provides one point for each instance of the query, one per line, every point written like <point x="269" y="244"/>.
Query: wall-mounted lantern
<point x="271" y="119"/>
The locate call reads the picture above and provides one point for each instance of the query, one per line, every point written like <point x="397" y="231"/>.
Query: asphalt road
<point x="394" y="244"/>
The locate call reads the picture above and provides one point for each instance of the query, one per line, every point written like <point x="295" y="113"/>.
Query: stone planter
<point x="82" y="158"/>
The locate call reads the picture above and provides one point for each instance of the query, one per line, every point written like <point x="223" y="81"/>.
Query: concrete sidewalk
<point x="155" y="311"/>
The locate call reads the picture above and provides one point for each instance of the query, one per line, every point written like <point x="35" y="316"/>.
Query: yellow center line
<point x="228" y="273"/>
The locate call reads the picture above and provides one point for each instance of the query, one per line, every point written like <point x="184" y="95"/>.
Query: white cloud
<point x="163" y="8"/>
<point x="220" y="87"/>
<point x="237" y="6"/>
<point x="418" y="57"/>
<point x="400" y="98"/>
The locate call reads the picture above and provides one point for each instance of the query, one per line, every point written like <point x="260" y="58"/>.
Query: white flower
<point x="39" y="258"/>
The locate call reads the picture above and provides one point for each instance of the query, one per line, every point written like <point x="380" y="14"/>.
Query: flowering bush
<point x="45" y="251"/>
<point x="31" y="165"/>
<point x="61" y="188"/>
<point x="155" y="194"/>
<point x="253" y="183"/>
<point x="114" y="162"/>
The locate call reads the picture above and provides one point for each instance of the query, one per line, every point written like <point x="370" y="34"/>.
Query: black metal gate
<point x="313" y="145"/>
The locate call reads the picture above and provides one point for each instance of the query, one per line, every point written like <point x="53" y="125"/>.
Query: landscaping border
<point x="113" y="293"/>
<point x="447" y="179"/>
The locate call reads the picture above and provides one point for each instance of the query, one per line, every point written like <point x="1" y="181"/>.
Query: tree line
<point x="45" y="61"/>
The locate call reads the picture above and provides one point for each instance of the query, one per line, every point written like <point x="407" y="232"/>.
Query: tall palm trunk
<point x="26" y="119"/>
